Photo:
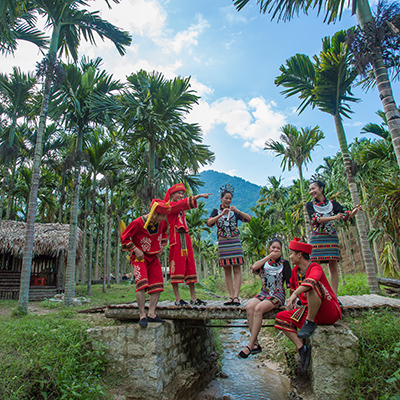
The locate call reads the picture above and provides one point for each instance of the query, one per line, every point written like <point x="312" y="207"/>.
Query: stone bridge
<point x="175" y="360"/>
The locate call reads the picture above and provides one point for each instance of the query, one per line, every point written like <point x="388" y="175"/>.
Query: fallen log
<point x="395" y="283"/>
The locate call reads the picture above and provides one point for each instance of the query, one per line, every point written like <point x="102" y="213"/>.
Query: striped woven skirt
<point x="325" y="247"/>
<point x="230" y="251"/>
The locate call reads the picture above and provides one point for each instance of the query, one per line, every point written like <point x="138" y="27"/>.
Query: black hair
<point x="273" y="241"/>
<point x="305" y="255"/>
<point x="224" y="192"/>
<point x="320" y="185"/>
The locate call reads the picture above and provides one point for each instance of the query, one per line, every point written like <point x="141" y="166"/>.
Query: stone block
<point x="334" y="352"/>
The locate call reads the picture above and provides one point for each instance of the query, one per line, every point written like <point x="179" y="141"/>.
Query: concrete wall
<point x="169" y="361"/>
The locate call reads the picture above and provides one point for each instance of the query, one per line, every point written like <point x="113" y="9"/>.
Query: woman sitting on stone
<point x="275" y="273"/>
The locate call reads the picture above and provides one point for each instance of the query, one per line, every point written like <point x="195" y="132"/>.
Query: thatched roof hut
<point x="49" y="258"/>
<point x="49" y="239"/>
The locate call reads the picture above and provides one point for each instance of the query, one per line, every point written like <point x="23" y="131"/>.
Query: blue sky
<point x="233" y="59"/>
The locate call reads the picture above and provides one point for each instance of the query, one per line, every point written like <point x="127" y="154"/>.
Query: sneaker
<point x="155" y="319"/>
<point x="143" y="322"/>
<point x="197" y="302"/>
<point x="181" y="303"/>
<point x="305" y="356"/>
<point x="307" y="330"/>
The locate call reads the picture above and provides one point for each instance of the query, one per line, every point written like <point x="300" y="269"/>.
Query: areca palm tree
<point x="72" y="105"/>
<point x="17" y="22"/>
<point x="325" y="83"/>
<point x="295" y="147"/>
<point x="286" y="9"/>
<point x="152" y="111"/>
<point x="68" y="22"/>
<point x="16" y="93"/>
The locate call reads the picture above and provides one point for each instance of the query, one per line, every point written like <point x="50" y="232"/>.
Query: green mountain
<point x="245" y="196"/>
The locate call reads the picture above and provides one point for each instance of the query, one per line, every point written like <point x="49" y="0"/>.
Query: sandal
<point x="242" y="354"/>
<point x="256" y="349"/>
<point x="229" y="302"/>
<point x="236" y="303"/>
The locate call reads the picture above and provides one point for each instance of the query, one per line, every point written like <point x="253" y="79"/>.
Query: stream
<point x="247" y="378"/>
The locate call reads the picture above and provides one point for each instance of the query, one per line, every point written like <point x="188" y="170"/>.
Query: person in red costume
<point x="319" y="302"/>
<point x="145" y="237"/>
<point x="181" y="259"/>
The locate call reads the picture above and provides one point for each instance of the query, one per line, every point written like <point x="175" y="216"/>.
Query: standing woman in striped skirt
<point x="229" y="245"/>
<point x="324" y="238"/>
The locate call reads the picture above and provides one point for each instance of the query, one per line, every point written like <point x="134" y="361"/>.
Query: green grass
<point x="353" y="285"/>
<point x="48" y="357"/>
<point x="377" y="372"/>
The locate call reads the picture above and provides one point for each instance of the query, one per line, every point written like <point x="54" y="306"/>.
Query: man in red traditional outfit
<point x="319" y="302"/>
<point x="181" y="259"/>
<point x="145" y="237"/>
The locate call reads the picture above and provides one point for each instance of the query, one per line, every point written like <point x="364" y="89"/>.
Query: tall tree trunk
<point x="2" y="194"/>
<point x="96" y="261"/>
<point x="90" y="261"/>
<point x="109" y="238"/>
<point x="32" y="204"/>
<point x="117" y="251"/>
<point x="105" y="278"/>
<point x="10" y="197"/>
<point x="73" y="227"/>
<point x="364" y="16"/>
<point x="82" y="269"/>
<point x="370" y="268"/>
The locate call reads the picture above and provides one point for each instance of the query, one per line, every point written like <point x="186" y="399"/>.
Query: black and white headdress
<point x="227" y="188"/>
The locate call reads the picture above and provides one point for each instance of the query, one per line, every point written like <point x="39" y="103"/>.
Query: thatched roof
<point x="49" y="239"/>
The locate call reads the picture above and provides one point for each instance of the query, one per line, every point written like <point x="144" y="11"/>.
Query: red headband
<point x="296" y="245"/>
<point x="173" y="189"/>
<point x="159" y="207"/>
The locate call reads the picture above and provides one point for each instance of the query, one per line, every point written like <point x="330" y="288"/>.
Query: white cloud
<point x="255" y="121"/>
<point x="184" y="39"/>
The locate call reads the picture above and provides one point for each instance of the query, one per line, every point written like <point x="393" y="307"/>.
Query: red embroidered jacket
<point x="316" y="279"/>
<point x="176" y="218"/>
<point x="149" y="240"/>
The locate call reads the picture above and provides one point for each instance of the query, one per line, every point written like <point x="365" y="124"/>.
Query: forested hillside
<point x="246" y="193"/>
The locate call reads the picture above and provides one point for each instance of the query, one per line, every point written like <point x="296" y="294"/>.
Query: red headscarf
<point x="296" y="245"/>
<point x="158" y="206"/>
<point x="173" y="189"/>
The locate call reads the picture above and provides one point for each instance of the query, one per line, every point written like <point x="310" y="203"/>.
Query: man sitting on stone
<point x="319" y="303"/>
<point x="145" y="237"/>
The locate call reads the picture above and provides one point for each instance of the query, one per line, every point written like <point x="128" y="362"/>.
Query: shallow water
<point x="247" y="378"/>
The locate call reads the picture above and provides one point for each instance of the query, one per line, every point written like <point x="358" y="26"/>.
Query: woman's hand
<point x="340" y="216"/>
<point x="234" y="209"/>
<point x="226" y="211"/>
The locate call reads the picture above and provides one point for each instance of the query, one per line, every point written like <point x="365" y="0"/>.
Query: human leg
<point x="289" y="326"/>
<point x="229" y="281"/>
<point x="154" y="297"/>
<point x="258" y="312"/>
<point x="333" y="270"/>
<point x="237" y="275"/>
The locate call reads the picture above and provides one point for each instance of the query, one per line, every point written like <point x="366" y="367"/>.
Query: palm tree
<point x="325" y="83"/>
<point x="152" y="112"/>
<point x="72" y="105"/>
<point x="69" y="22"/>
<point x="17" y="22"/>
<point x="16" y="93"/>
<point x="287" y="9"/>
<point x="295" y="147"/>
